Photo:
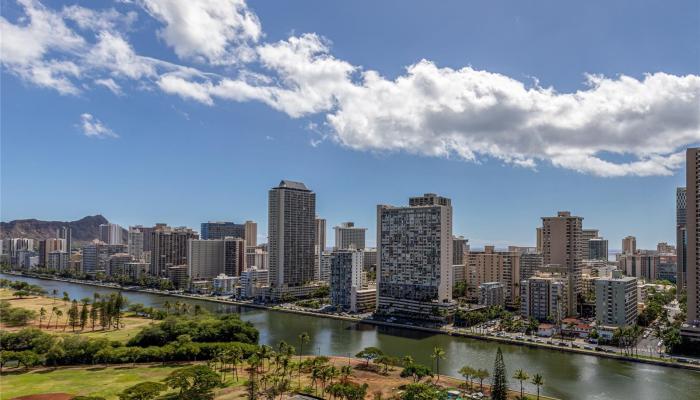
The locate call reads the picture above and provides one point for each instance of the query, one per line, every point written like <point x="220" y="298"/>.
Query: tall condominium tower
<point x="169" y="248"/>
<point x="414" y="258"/>
<point x="135" y="243"/>
<point x="251" y="233"/>
<point x="596" y="249"/>
<point x="111" y="233"/>
<point x="629" y="245"/>
<point x="691" y="330"/>
<point x="66" y="233"/>
<point x="291" y="235"/>
<point x="320" y="234"/>
<point x="349" y="236"/>
<point x="561" y="241"/>
<point x="494" y="266"/>
<point x="460" y="249"/>
<point x="209" y="258"/>
<point x="681" y="238"/>
<point x="220" y="230"/>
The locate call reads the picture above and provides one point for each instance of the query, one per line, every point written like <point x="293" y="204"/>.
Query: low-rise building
<point x="363" y="299"/>
<point x="253" y="280"/>
<point x="223" y="284"/>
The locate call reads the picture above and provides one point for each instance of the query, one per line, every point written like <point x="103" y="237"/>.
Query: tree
<point x="369" y="354"/>
<point x="142" y="391"/>
<point x="538" y="381"/>
<point x="94" y="313"/>
<point x="193" y="383"/>
<point x="482" y="374"/>
<point x="467" y="372"/>
<point x="303" y="338"/>
<point x="66" y="298"/>
<point x="416" y="371"/>
<point x="59" y="314"/>
<point x="73" y="315"/>
<point x="521" y="376"/>
<point x="42" y="315"/>
<point x="499" y="387"/>
<point x="83" y="316"/>
<point x="421" y="391"/>
<point x="438" y="354"/>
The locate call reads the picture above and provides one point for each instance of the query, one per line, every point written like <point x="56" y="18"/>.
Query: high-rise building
<point x="220" y="230"/>
<point x="616" y="301"/>
<point x="57" y="260"/>
<point x="544" y="297"/>
<point x="586" y="235"/>
<point x="414" y="258"/>
<point x="95" y="256"/>
<point x="252" y="281"/>
<point x="629" y="245"/>
<point x="12" y="246"/>
<point x="460" y="248"/>
<point x="66" y="233"/>
<point x="48" y="246"/>
<point x="561" y="241"/>
<point x="597" y="249"/>
<point x="642" y="265"/>
<point x="169" y="246"/>
<point x="494" y="266"/>
<point x="681" y="238"/>
<point x="346" y="274"/>
<point x="320" y="234"/>
<point x="691" y="330"/>
<point x="530" y="260"/>
<point x="539" y="240"/>
<point x="205" y="258"/>
<point x="349" y="236"/>
<point x="234" y="256"/>
<point x="116" y="265"/>
<point x="256" y="257"/>
<point x="292" y="235"/>
<point x="134" y="243"/>
<point x="111" y="233"/>
<point x="251" y="233"/>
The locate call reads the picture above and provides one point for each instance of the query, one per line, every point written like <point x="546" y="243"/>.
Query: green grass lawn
<point x="106" y="382"/>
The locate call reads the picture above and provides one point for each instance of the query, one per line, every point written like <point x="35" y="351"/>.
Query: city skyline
<point x="223" y="155"/>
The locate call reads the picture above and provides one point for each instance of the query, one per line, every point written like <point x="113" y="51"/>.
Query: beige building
<point x="629" y="245"/>
<point x="251" y="233"/>
<point x="561" y="244"/>
<point x="691" y="329"/>
<point x="493" y="266"/>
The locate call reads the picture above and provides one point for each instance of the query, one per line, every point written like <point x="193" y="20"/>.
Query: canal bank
<point x="567" y="375"/>
<point x="444" y="331"/>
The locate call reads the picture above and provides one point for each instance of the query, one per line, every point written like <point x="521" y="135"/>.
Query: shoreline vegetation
<point x="186" y="353"/>
<point x="472" y="335"/>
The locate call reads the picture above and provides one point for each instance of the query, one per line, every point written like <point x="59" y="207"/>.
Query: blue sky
<point x="167" y="144"/>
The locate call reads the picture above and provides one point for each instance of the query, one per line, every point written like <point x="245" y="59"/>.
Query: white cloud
<point x="103" y="20"/>
<point x="614" y="126"/>
<point x="114" y="53"/>
<point x="93" y="127"/>
<point x="214" y="31"/>
<point x="110" y="84"/>
<point x="24" y="47"/>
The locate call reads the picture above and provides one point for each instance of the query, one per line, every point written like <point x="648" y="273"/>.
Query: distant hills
<point x="83" y="230"/>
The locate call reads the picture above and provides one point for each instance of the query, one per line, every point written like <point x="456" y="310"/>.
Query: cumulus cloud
<point x="24" y="47"/>
<point x="93" y="127"/>
<point x="613" y="126"/>
<point x="214" y="31"/>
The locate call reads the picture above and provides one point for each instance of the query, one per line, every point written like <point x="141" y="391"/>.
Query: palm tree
<point x="54" y="293"/>
<point x="42" y="315"/>
<point x="303" y="338"/>
<point x="538" y="381"/>
<point x="345" y="371"/>
<point x="59" y="313"/>
<point x="438" y="354"/>
<point x="521" y="376"/>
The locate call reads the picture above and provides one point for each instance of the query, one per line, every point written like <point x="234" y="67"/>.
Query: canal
<point x="566" y="375"/>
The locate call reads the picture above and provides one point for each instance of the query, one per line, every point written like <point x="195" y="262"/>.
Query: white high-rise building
<point x="135" y="243"/>
<point x="292" y="237"/>
<point x="414" y="258"/>
<point x="616" y="301"/>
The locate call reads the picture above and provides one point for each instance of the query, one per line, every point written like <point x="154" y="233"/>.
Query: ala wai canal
<point x="567" y="375"/>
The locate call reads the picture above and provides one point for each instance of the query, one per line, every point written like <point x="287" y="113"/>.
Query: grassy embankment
<point x="132" y="324"/>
